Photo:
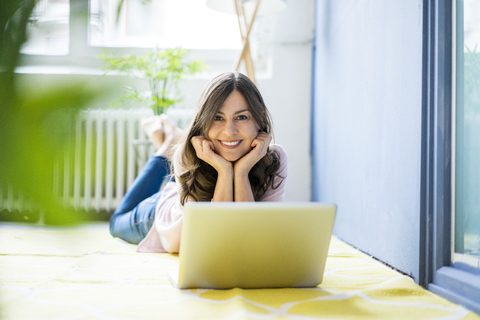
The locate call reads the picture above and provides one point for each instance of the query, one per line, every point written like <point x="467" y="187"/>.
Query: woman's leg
<point x="135" y="215"/>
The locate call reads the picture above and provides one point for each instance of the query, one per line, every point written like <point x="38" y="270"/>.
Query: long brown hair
<point x="198" y="182"/>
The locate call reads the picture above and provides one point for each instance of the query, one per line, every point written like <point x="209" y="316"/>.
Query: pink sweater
<point x="164" y="236"/>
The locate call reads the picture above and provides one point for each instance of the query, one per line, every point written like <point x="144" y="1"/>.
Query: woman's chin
<point x="231" y="156"/>
<point x="231" y="159"/>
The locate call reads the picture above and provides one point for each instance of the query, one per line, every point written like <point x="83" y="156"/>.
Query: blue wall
<point x="366" y="124"/>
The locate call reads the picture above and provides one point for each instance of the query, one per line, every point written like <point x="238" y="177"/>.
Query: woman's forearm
<point x="224" y="186"/>
<point x="242" y="188"/>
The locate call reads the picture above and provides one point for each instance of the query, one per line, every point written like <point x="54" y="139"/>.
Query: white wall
<point x="368" y="120"/>
<point x="287" y="93"/>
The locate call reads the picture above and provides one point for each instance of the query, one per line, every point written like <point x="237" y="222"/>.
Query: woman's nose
<point x="230" y="127"/>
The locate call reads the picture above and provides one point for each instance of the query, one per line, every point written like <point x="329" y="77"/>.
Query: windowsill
<point x="70" y="70"/>
<point x="457" y="286"/>
<point x="86" y="63"/>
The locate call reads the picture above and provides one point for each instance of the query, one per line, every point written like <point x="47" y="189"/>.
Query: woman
<point x="224" y="155"/>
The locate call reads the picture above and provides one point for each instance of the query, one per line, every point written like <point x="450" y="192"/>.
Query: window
<point x="72" y="32"/>
<point x="48" y="28"/>
<point x="467" y="152"/>
<point x="452" y="148"/>
<point x="166" y="23"/>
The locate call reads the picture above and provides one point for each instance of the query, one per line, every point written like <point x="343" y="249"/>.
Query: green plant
<point x="163" y="69"/>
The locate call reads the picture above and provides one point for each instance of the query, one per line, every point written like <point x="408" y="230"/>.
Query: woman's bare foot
<point x="153" y="127"/>
<point x="172" y="134"/>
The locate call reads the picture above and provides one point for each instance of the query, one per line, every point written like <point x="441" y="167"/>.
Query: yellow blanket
<point x="83" y="273"/>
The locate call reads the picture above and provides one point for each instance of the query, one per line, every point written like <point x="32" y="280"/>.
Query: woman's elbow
<point x="172" y="246"/>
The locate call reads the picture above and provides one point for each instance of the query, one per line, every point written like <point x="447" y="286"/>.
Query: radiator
<point x="109" y="151"/>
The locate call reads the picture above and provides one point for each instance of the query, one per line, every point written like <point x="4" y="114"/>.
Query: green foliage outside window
<point x="472" y="81"/>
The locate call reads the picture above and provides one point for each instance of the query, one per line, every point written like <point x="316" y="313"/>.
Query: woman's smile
<point x="230" y="144"/>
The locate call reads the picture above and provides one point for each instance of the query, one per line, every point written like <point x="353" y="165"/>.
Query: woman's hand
<point x="259" y="150"/>
<point x="206" y="151"/>
<point x="243" y="189"/>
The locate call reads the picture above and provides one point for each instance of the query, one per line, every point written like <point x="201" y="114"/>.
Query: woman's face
<point x="233" y="128"/>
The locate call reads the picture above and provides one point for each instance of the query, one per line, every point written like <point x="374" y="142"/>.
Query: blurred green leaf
<point x="34" y="125"/>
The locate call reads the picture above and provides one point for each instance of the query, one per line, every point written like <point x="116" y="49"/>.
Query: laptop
<point x="253" y="245"/>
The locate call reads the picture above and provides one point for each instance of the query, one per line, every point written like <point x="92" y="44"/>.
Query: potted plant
<point x="163" y="69"/>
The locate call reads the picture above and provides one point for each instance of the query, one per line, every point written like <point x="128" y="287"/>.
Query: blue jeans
<point x="135" y="215"/>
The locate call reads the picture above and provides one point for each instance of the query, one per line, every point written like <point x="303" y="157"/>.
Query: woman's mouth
<point x="230" y="144"/>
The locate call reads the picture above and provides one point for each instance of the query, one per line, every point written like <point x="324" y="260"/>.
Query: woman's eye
<point x="242" y="117"/>
<point x="217" y="118"/>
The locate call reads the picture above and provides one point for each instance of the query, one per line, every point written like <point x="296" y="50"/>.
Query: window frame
<point x="438" y="273"/>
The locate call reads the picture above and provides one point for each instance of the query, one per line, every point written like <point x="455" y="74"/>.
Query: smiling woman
<point x="224" y="155"/>
<point x="225" y="103"/>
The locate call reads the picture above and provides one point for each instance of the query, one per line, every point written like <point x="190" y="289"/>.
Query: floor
<point x="83" y="273"/>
